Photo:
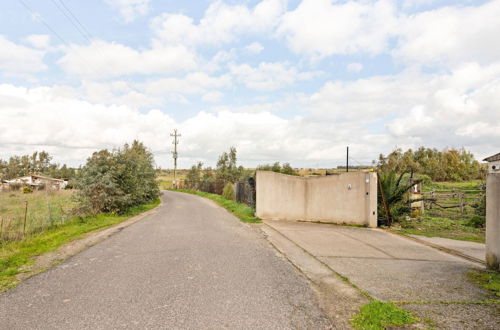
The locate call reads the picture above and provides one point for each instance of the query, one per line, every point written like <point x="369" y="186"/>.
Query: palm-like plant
<point x="394" y="194"/>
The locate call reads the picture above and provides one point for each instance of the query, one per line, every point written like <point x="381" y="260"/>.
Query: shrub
<point x="476" y="221"/>
<point x="116" y="181"/>
<point x="228" y="192"/>
<point x="27" y="190"/>
<point x="15" y="186"/>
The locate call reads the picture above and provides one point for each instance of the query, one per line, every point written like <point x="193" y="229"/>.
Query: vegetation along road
<point x="188" y="265"/>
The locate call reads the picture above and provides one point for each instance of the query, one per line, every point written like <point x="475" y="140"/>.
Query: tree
<point x="194" y="176"/>
<point x="227" y="171"/>
<point x="286" y="168"/>
<point x="115" y="181"/>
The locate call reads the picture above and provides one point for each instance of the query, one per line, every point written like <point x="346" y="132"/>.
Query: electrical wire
<point x="71" y="20"/>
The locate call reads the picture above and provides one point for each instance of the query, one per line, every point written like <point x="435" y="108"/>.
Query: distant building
<point x="37" y="182"/>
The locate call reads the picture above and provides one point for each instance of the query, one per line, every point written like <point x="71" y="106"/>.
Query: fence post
<point x="1" y="229"/>
<point x="25" y="216"/>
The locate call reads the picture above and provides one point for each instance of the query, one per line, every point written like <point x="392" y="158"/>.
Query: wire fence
<point x="23" y="215"/>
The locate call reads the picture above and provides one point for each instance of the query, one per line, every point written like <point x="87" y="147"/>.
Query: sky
<point x="292" y="81"/>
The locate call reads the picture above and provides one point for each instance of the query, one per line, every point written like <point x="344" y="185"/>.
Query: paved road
<point x="190" y="265"/>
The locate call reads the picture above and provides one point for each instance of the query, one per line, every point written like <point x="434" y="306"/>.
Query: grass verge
<point x="15" y="255"/>
<point x="380" y="315"/>
<point x="442" y="227"/>
<point x="490" y="280"/>
<point x="244" y="212"/>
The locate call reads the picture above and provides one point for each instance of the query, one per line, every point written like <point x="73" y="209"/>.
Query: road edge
<point x="50" y="259"/>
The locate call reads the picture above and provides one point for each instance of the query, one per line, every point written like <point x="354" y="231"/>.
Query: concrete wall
<point x="493" y="221"/>
<point x="349" y="198"/>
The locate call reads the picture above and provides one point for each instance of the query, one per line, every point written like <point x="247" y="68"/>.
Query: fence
<point x="245" y="192"/>
<point x="22" y="215"/>
<point x="457" y="204"/>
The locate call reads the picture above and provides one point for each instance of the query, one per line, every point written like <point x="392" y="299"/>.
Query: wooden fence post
<point x="25" y="216"/>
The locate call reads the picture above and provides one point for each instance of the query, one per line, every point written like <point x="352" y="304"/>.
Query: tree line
<point x="445" y="165"/>
<point x="36" y="163"/>
<point x="110" y="181"/>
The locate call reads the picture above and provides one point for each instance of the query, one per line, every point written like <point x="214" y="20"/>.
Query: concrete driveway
<point x="389" y="267"/>
<point x="190" y="265"/>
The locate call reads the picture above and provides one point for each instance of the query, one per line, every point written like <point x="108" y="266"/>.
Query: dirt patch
<point x="50" y="259"/>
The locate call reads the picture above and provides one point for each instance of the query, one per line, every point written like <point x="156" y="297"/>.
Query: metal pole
<point x="347" y="160"/>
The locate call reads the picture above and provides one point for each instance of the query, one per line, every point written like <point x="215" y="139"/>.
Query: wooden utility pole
<point x="175" y="135"/>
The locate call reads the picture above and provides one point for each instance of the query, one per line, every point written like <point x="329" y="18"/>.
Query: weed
<point x="489" y="280"/>
<point x="380" y="315"/>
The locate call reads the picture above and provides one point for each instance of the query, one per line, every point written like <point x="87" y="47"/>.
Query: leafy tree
<point x="227" y="170"/>
<point x="446" y="165"/>
<point x="115" y="181"/>
<point x="194" y="176"/>
<point x="286" y="168"/>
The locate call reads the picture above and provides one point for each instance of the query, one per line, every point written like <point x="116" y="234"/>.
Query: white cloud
<point x="320" y="28"/>
<point x="354" y="67"/>
<point x="129" y="10"/>
<point x="451" y="35"/>
<point x="213" y="96"/>
<point x="193" y="83"/>
<point x="268" y="76"/>
<point x="40" y="118"/>
<point x="104" y="60"/>
<point x="41" y="41"/>
<point x="254" y="48"/>
<point x="221" y="23"/>
<point x="19" y="59"/>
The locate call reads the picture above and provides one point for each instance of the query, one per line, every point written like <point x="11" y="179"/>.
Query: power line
<point x="84" y="29"/>
<point x="40" y="18"/>
<point x="71" y="20"/>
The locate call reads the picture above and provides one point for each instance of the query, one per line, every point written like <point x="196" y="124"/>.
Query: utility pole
<point x="347" y="160"/>
<point x="175" y="135"/>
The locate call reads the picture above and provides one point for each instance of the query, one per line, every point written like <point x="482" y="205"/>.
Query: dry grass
<point x="44" y="209"/>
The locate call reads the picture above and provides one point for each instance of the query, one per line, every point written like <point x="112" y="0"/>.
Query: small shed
<point x="493" y="163"/>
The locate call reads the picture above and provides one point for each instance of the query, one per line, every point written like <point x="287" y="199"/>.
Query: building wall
<point x="349" y="198"/>
<point x="493" y="221"/>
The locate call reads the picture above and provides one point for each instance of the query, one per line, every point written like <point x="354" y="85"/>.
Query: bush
<point x="115" y="181"/>
<point x="476" y="222"/>
<point x="15" y="186"/>
<point x="228" y="192"/>
<point x="27" y="190"/>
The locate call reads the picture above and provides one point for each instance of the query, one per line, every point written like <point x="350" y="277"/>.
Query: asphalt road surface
<point x="189" y="265"/>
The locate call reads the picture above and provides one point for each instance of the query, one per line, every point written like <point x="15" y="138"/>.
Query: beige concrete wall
<point x="349" y="198"/>
<point x="493" y="221"/>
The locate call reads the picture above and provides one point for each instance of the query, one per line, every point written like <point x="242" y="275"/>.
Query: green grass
<point x="244" y="212"/>
<point x="442" y="227"/>
<point x="15" y="255"/>
<point x="380" y="315"/>
<point x="461" y="185"/>
<point x="489" y="280"/>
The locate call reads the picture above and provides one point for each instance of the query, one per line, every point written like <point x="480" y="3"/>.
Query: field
<point x="166" y="177"/>
<point x="25" y="214"/>
<point x="451" y="213"/>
